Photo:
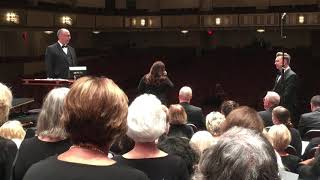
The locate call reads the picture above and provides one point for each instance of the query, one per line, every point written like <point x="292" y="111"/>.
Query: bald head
<point x="185" y="94"/>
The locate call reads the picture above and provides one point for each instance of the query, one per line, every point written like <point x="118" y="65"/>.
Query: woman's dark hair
<point x="179" y="146"/>
<point x="156" y="74"/>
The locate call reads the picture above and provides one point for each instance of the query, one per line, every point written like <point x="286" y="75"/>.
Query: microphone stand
<point x="283" y="37"/>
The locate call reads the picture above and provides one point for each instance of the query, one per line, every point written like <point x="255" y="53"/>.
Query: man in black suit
<point x="311" y="120"/>
<point x="60" y="56"/>
<point x="286" y="85"/>
<point x="194" y="114"/>
<point x="270" y="101"/>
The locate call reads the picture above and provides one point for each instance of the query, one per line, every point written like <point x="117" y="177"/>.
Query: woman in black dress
<point x="156" y="82"/>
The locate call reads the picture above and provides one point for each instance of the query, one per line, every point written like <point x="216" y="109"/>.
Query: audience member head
<point x="157" y="73"/>
<point x="177" y="114"/>
<point x="241" y="154"/>
<point x="180" y="147"/>
<point x="5" y="103"/>
<point x="12" y="130"/>
<point x="243" y="116"/>
<point x="228" y="106"/>
<point x="315" y="103"/>
<point x="280" y="137"/>
<point x="271" y="100"/>
<point x="63" y="36"/>
<point x="185" y="94"/>
<point x="146" y="119"/>
<point x="49" y="120"/>
<point x="200" y="141"/>
<point x="213" y="123"/>
<point x="281" y="115"/>
<point x="279" y="60"/>
<point x="95" y="112"/>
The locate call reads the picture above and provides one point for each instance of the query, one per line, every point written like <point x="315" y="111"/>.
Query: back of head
<point x="95" y="112"/>
<point x="243" y="116"/>
<point x="272" y="98"/>
<point x="228" y="106"/>
<point x="12" y="130"/>
<point x="185" y="94"/>
<point x="200" y="141"/>
<point x="180" y="147"/>
<point x="177" y="114"/>
<point x="5" y="103"/>
<point x="282" y="115"/>
<point x="280" y="137"/>
<point x="240" y="154"/>
<point x="146" y="119"/>
<point x="49" y="120"/>
<point x="315" y="101"/>
<point x="156" y="73"/>
<point x="213" y="123"/>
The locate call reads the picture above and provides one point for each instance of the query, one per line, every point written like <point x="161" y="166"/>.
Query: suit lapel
<point x="60" y="50"/>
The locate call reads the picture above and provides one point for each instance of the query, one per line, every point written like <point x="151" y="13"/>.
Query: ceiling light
<point x="48" y="32"/>
<point x="184" y="31"/>
<point x="96" y="32"/>
<point x="12" y="17"/>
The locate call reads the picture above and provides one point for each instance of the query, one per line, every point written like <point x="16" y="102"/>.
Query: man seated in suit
<point x="311" y="120"/>
<point x="60" y="56"/>
<point x="270" y="101"/>
<point x="194" y="114"/>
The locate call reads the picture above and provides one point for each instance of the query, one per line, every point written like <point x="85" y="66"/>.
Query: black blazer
<point x="195" y="115"/>
<point x="309" y="121"/>
<point x="266" y="116"/>
<point x="287" y="89"/>
<point x="57" y="62"/>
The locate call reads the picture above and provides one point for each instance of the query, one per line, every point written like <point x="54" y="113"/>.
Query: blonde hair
<point x="213" y="123"/>
<point x="200" y="141"/>
<point x="12" y="130"/>
<point x="280" y="137"/>
<point x="5" y="103"/>
<point x="177" y="114"/>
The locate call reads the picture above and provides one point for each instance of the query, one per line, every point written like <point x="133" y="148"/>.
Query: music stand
<point x="77" y="71"/>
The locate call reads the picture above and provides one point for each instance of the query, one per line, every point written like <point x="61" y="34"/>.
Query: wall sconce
<point x="66" y="20"/>
<point x="133" y="22"/>
<point x="150" y="22"/>
<point x="185" y="31"/>
<point x="143" y="22"/>
<point x="301" y="19"/>
<point x="12" y="17"/>
<point x="218" y="21"/>
<point x="48" y="32"/>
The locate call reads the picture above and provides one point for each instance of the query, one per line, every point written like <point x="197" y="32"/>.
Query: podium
<point x="39" y="88"/>
<point x="48" y="82"/>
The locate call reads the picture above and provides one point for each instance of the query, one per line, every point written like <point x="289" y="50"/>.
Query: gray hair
<point x="185" y="93"/>
<point x="146" y="119"/>
<point x="62" y="30"/>
<point x="273" y="98"/>
<point x="5" y="103"/>
<point x="315" y="101"/>
<point x="285" y="56"/>
<point x="49" y="123"/>
<point x="241" y="154"/>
